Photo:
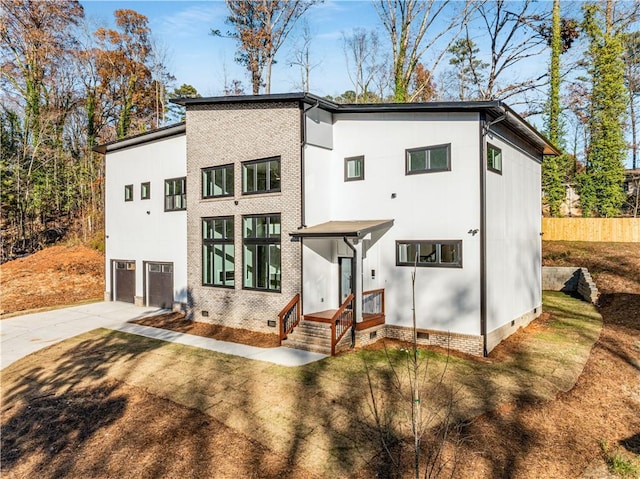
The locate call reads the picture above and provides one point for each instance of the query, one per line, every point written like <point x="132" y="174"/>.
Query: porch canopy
<point x="342" y="229"/>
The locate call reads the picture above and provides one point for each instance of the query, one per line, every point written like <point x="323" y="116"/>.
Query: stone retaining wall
<point x="570" y="279"/>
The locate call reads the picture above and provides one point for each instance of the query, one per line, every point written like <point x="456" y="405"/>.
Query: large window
<point x="175" y="194"/>
<point x="446" y="253"/>
<point x="494" y="158"/>
<point x="217" y="181"/>
<point x="261" y="244"/>
<point x="354" y="168"/>
<point x="428" y="159"/>
<point x="261" y="176"/>
<point x="218" y="253"/>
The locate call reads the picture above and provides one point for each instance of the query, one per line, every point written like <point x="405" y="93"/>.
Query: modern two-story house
<point x="289" y="213"/>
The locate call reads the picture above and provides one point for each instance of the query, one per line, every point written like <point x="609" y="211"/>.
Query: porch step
<point x="310" y="336"/>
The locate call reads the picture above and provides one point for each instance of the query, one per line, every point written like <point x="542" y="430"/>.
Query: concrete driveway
<point x="23" y="335"/>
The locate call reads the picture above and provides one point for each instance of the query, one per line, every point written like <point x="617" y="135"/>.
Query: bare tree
<point x="511" y="28"/>
<point x="361" y="50"/>
<point x="260" y="28"/>
<point x="409" y="44"/>
<point x="302" y="56"/>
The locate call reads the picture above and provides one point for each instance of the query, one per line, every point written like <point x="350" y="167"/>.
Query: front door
<point x="346" y="278"/>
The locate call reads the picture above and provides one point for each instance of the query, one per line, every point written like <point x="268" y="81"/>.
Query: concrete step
<point x="307" y="346"/>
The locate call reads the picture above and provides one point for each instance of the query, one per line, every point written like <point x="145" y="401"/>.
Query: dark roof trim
<point x="494" y="108"/>
<point x="147" y="136"/>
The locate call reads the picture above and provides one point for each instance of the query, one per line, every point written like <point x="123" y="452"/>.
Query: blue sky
<point x="197" y="58"/>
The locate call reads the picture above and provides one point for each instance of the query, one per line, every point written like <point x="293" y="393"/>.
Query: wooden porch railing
<point x="341" y="322"/>
<point x="289" y="317"/>
<point x="373" y="301"/>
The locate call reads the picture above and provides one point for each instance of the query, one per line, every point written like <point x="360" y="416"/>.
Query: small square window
<point x="428" y="159"/>
<point x="494" y="158"/>
<point x="354" y="168"/>
<point x="145" y="191"/>
<point x="128" y="192"/>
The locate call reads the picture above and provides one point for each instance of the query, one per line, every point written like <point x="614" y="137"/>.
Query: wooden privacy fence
<point x="619" y="230"/>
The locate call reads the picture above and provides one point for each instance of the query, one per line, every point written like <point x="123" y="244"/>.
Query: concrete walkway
<point x="23" y="335"/>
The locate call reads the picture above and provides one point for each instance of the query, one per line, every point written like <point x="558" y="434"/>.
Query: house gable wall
<point x="221" y="134"/>
<point x="430" y="206"/>
<point x="514" y="251"/>
<point x="140" y="230"/>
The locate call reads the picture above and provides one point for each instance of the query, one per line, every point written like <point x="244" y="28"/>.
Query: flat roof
<point x="494" y="108"/>
<point x="338" y="229"/>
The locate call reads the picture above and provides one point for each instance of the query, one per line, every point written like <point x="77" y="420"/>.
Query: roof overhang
<point x="494" y="108"/>
<point x="153" y="135"/>
<point x="342" y="229"/>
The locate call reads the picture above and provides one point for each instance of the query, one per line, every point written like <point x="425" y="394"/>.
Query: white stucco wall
<point x="513" y="237"/>
<point x="140" y="230"/>
<point x="431" y="206"/>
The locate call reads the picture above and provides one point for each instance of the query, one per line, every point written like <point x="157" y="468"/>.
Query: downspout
<point x="484" y="130"/>
<point x="353" y="276"/>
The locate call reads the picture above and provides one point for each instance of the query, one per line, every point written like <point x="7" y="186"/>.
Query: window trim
<point x="260" y="241"/>
<point x="408" y="152"/>
<point x="491" y="168"/>
<point x="346" y="169"/>
<point x="457" y="243"/>
<point x="214" y="241"/>
<point x="184" y="178"/>
<point x="255" y="162"/>
<point x="128" y="192"/>
<point x="216" y="168"/>
<point x="142" y="190"/>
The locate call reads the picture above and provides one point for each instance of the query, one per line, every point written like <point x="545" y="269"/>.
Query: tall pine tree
<point x="601" y="191"/>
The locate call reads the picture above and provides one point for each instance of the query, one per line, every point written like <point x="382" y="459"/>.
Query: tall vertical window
<point x="261" y="255"/>
<point x="354" y="168"/>
<point x="175" y="194"/>
<point x="145" y="190"/>
<point x="217" y="181"/>
<point x="428" y="159"/>
<point x="128" y="192"/>
<point x="261" y="176"/>
<point x="494" y="158"/>
<point x="218" y="252"/>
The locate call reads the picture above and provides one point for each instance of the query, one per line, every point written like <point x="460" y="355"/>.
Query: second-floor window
<point x="494" y="158"/>
<point x="261" y="176"/>
<point x="217" y="181"/>
<point x="175" y="194"/>
<point x="145" y="190"/>
<point x="428" y="159"/>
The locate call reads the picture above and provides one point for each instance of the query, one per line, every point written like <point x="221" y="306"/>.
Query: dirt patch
<point x="563" y="437"/>
<point x="59" y="275"/>
<point x="178" y="323"/>
<point x="111" y="429"/>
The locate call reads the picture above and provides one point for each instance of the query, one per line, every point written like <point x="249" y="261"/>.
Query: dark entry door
<point x="160" y="281"/>
<point x="125" y="281"/>
<point x="346" y="278"/>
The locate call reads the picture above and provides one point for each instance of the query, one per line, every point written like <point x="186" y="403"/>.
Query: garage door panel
<point x="125" y="281"/>
<point x="160" y="280"/>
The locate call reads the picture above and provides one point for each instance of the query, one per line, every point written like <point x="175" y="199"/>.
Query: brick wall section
<point x="221" y="134"/>
<point x="570" y="279"/>
<point x="460" y="342"/>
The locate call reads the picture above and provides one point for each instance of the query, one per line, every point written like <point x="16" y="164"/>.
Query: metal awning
<point x="339" y="229"/>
